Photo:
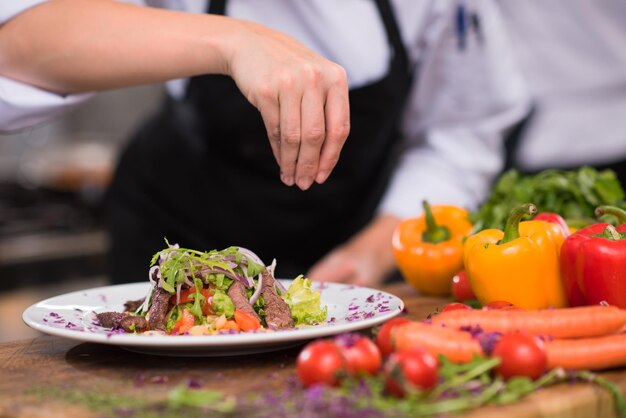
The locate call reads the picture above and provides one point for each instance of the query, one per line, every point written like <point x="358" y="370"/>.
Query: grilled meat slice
<point x="237" y="292"/>
<point x="158" y="309"/>
<point x="277" y="313"/>
<point x="134" y="323"/>
<point x="110" y="319"/>
<point x="133" y="305"/>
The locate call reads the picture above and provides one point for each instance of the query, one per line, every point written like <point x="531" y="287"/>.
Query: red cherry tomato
<point x="461" y="289"/>
<point x="522" y="354"/>
<point x="383" y="337"/>
<point x="498" y="304"/>
<point x="321" y="362"/>
<point x="414" y="368"/>
<point x="454" y="306"/>
<point x="361" y="354"/>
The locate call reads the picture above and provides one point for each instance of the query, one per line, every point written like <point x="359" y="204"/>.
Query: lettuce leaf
<point x="305" y="304"/>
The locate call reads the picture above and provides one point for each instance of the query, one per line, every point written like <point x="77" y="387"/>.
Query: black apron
<point x="201" y="173"/>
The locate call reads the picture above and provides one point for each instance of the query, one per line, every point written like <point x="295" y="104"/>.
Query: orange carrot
<point x="458" y="346"/>
<point x="588" y="353"/>
<point x="579" y="322"/>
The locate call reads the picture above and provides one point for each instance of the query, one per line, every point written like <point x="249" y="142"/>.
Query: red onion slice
<point x="252" y="256"/>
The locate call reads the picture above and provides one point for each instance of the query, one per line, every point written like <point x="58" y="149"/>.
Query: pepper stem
<point x="619" y="213"/>
<point x="611" y="233"/>
<point x="511" y="229"/>
<point x="434" y="233"/>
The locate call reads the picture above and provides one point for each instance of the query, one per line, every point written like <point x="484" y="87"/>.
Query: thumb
<point x="332" y="268"/>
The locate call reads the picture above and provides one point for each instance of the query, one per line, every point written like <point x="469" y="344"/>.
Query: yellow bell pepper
<point x="429" y="249"/>
<point x="518" y="265"/>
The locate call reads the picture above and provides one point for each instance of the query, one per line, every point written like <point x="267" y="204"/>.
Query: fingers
<point x="290" y="100"/>
<point x="312" y="138"/>
<point x="337" y="117"/>
<point x="313" y="126"/>
<point x="302" y="97"/>
<point x="268" y="108"/>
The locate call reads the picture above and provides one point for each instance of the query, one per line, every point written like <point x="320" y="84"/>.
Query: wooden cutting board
<point x="35" y="376"/>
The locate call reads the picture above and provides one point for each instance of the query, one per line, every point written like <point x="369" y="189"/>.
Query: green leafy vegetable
<point x="173" y="317"/>
<point x="572" y="194"/>
<point x="213" y="266"/>
<point x="305" y="304"/>
<point x="182" y="396"/>
<point x="198" y="300"/>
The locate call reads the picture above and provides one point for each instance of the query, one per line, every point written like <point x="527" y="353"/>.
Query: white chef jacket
<point x="573" y="56"/>
<point x="461" y="101"/>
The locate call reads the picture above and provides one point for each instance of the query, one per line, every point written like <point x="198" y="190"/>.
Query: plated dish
<point x="73" y="315"/>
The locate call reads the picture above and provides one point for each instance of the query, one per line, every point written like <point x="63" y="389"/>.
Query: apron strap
<point x="393" y="32"/>
<point x="217" y="7"/>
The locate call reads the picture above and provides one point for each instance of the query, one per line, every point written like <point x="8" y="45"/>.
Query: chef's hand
<point x="366" y="260"/>
<point x="302" y="97"/>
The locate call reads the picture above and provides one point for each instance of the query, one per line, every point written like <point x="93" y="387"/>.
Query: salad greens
<point x="199" y="283"/>
<point x="572" y="194"/>
<point x="304" y="303"/>
<point x="176" y="264"/>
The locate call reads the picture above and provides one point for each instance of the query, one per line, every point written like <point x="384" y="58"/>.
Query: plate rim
<point x="209" y="342"/>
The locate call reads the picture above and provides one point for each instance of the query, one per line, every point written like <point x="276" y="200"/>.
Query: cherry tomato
<point x="413" y="368"/>
<point x="361" y="354"/>
<point x="454" y="306"/>
<point x="522" y="354"/>
<point x="321" y="362"/>
<point x="498" y="304"/>
<point x="383" y="337"/>
<point x="461" y="289"/>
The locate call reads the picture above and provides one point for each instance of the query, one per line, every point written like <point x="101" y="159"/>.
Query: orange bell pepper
<point x="519" y="265"/>
<point x="429" y="249"/>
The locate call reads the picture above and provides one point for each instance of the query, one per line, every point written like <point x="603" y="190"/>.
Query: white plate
<point x="72" y="315"/>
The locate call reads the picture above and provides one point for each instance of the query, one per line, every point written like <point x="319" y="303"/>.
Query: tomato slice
<point x="247" y="322"/>
<point x="186" y="296"/>
<point x="184" y="323"/>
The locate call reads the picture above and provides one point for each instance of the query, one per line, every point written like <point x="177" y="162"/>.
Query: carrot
<point x="588" y="353"/>
<point x="458" y="346"/>
<point x="579" y="322"/>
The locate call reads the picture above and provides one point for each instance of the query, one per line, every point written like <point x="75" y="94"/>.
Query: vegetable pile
<point x="202" y="293"/>
<point x="572" y="194"/>
<point x="464" y="358"/>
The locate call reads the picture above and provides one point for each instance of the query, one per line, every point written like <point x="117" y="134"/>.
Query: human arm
<point x="75" y="46"/>
<point x="459" y="107"/>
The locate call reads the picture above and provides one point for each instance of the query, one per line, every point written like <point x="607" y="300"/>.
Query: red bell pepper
<point x="593" y="262"/>
<point x="555" y="219"/>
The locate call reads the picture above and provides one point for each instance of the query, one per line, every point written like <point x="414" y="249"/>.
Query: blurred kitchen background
<point x="52" y="181"/>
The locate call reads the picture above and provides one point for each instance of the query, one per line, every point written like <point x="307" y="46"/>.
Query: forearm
<point x="71" y="46"/>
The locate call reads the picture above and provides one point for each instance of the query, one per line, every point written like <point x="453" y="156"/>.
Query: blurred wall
<point x="109" y="116"/>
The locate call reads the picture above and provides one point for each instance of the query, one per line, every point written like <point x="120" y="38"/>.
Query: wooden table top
<point x="54" y="366"/>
